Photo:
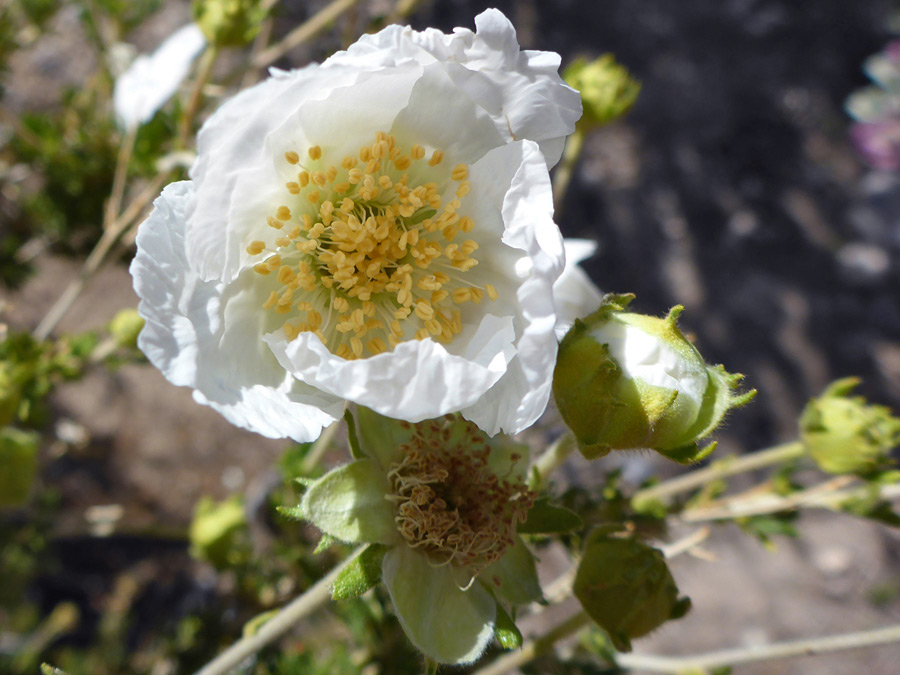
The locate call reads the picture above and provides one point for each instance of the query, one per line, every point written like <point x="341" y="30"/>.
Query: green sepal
<point x="626" y="587"/>
<point x="351" y="435"/>
<point x="325" y="543"/>
<point x="380" y="437"/>
<point x="545" y="518"/>
<point x="253" y="625"/>
<point x="292" y="512"/>
<point x="505" y="630"/>
<point x="349" y="504"/>
<point x="304" y="481"/>
<point x="360" y="575"/>
<point x="514" y="577"/>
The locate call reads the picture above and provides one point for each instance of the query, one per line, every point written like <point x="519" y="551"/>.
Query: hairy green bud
<point x="608" y="90"/>
<point x="845" y="434"/>
<point x="626" y="588"/>
<point x="229" y="23"/>
<point x="125" y="328"/>
<point x="628" y="381"/>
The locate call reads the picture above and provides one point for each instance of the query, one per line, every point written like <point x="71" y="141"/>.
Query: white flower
<point x="574" y="294"/>
<point x="151" y="80"/>
<point x="366" y="231"/>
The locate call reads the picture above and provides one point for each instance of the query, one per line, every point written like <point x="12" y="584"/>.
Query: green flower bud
<point x="844" y="434"/>
<point x="18" y="465"/>
<point x="229" y="23"/>
<point x="626" y="588"/>
<point x="608" y="90"/>
<point x="626" y="381"/>
<point x="216" y="528"/>
<point x="125" y="327"/>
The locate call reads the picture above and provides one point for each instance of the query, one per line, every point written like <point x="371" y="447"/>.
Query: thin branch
<point x="316" y="595"/>
<point x="827" y="495"/>
<point x="552" y="458"/>
<point x="728" y="466"/>
<point x="320" y="447"/>
<point x="563" y="175"/>
<point x="110" y="237"/>
<point x="308" y="29"/>
<point x="204" y="70"/>
<point x="121" y="173"/>
<point x="779" y="650"/>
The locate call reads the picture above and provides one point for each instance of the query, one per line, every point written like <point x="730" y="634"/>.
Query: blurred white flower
<point x="152" y="79"/>
<point x="574" y="293"/>
<point x="376" y="229"/>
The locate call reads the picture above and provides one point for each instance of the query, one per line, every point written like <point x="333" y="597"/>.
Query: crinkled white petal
<point x="447" y="623"/>
<point x="521" y="90"/>
<point x="151" y="80"/>
<point x="645" y="357"/>
<point x="574" y="293"/>
<point x="206" y="335"/>
<point x="231" y="142"/>
<point x="521" y="395"/>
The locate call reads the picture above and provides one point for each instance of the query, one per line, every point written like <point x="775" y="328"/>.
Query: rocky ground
<point x="731" y="189"/>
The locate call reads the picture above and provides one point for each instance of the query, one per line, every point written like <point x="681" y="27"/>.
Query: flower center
<point x="449" y="502"/>
<point x="365" y="256"/>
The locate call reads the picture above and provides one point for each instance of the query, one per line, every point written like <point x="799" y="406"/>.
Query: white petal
<point x="151" y="80"/>
<point x="417" y="380"/>
<point x="521" y="90"/>
<point x="574" y="293"/>
<point x="446" y="623"/>
<point x="193" y="337"/>
<point x="521" y="395"/>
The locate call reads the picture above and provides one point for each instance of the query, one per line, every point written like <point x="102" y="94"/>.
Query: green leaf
<point x="18" y="465"/>
<point x="514" y="577"/>
<point x="506" y="631"/>
<point x="360" y="575"/>
<point x="351" y="435"/>
<point x="253" y="625"/>
<point x="47" y="669"/>
<point x="545" y="518"/>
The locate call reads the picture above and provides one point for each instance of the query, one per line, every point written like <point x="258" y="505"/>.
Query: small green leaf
<point x="505" y="630"/>
<point x="360" y="575"/>
<point x="18" y="465"/>
<point x="545" y="518"/>
<point x="351" y="435"/>
<point x="253" y="625"/>
<point x="47" y="669"/>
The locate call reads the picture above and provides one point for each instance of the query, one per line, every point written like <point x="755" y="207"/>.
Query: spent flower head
<point x="626" y="380"/>
<point x="845" y="433"/>
<point x="376" y="229"/>
<point x="444" y="500"/>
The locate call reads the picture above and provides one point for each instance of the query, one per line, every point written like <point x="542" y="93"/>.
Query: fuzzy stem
<point x="563" y="175"/>
<point x="827" y="495"/>
<point x="306" y="30"/>
<point x="779" y="650"/>
<point x="552" y="458"/>
<point x="204" y="70"/>
<point x="728" y="466"/>
<point x="110" y="237"/>
<point x="274" y="628"/>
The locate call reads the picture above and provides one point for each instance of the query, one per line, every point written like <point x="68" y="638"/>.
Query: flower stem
<point x="319" y="448"/>
<point x="121" y="173"/>
<point x="723" y="468"/>
<point x="827" y="495"/>
<point x="274" y="628"/>
<point x="110" y="237"/>
<point x="563" y="175"/>
<point x="204" y="70"/>
<point x="306" y="30"/>
<point x="779" y="650"/>
<point x="552" y="458"/>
